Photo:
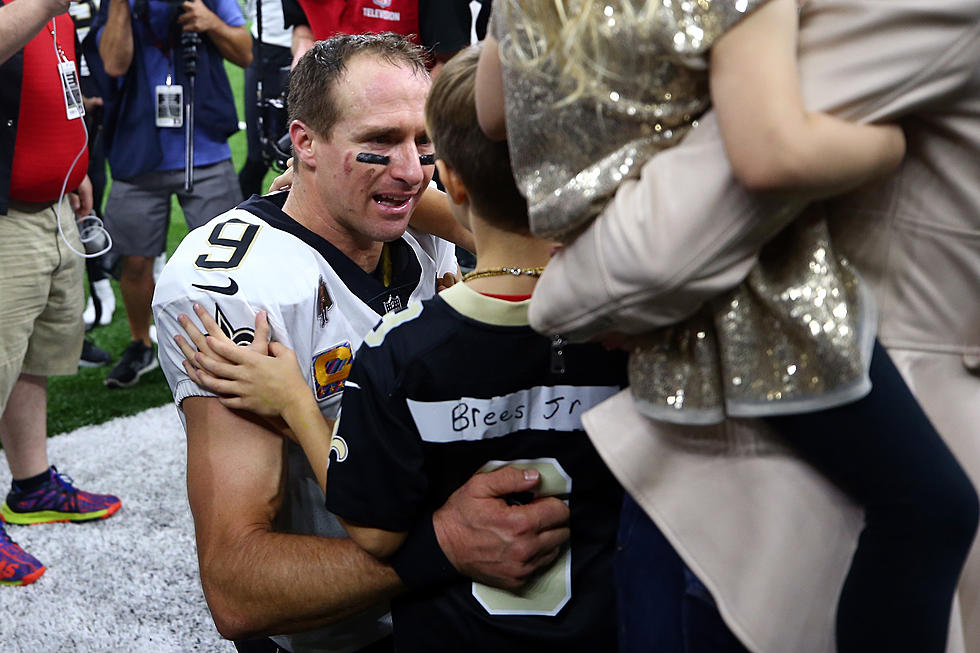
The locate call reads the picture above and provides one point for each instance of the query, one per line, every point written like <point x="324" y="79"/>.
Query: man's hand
<point x="196" y="17"/>
<point x="285" y="180"/>
<point x="81" y="200"/>
<point x="91" y="104"/>
<point x="447" y="280"/>
<point x="55" y="7"/>
<point x="494" y="543"/>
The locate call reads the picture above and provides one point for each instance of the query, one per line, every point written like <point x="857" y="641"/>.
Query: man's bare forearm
<point x="234" y="43"/>
<point x="258" y="581"/>
<point x="282" y="583"/>
<point x="21" y="21"/>
<point x="116" y="42"/>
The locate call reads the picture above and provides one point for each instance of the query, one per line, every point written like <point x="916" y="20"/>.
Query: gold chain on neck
<point x="503" y="271"/>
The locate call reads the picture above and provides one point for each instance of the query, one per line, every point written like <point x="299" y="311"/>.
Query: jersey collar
<point x="369" y="288"/>
<point x="479" y="307"/>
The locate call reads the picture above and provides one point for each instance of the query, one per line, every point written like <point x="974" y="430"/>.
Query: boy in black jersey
<point x="461" y="382"/>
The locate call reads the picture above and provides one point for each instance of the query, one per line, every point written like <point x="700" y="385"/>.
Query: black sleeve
<point x="292" y="14"/>
<point x="420" y="562"/>
<point x="444" y="25"/>
<point x="376" y="475"/>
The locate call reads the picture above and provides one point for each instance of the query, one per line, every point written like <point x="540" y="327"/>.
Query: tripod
<point x="189" y="42"/>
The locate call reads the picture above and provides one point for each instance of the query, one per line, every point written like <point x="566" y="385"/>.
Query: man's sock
<point x="30" y="484"/>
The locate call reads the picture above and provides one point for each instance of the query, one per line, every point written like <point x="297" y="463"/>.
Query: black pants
<point x="662" y="607"/>
<point x="920" y="514"/>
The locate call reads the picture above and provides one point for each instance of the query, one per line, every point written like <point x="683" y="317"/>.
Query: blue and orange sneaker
<point x="17" y="567"/>
<point x="57" y="500"/>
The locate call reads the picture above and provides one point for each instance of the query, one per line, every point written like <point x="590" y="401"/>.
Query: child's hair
<point x="576" y="41"/>
<point x="482" y="164"/>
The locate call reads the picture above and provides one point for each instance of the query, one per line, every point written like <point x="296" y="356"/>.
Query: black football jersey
<point x="461" y="383"/>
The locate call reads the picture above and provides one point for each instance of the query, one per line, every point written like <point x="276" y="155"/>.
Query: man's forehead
<point x="374" y="73"/>
<point x="382" y="96"/>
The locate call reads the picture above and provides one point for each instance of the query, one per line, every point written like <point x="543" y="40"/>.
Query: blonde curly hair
<point x="572" y="39"/>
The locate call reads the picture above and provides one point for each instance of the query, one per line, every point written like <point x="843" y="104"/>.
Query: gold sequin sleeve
<point x="649" y="86"/>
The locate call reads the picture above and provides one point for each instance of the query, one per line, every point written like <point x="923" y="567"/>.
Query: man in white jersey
<point x="325" y="261"/>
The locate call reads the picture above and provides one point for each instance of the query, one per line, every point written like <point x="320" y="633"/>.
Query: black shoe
<point x="137" y="360"/>
<point x="93" y="356"/>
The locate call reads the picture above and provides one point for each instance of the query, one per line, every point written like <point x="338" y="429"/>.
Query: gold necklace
<point x="502" y="271"/>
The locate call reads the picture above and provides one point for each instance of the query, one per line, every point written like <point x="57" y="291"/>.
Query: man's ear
<point x="453" y="183"/>
<point x="303" y="140"/>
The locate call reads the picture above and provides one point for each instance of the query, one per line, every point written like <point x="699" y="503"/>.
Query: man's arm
<point x="433" y="216"/>
<point x="686" y="231"/>
<point x="302" y="37"/>
<point x="302" y="41"/>
<point x="116" y="41"/>
<point x="21" y="21"/>
<point x="234" y="43"/>
<point x="256" y="580"/>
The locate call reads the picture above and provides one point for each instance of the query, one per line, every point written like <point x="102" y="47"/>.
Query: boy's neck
<point x="504" y="249"/>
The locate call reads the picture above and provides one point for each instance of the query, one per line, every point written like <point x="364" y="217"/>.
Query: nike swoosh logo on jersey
<point x="230" y="289"/>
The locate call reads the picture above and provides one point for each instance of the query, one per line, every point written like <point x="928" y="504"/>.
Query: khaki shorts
<point x="41" y="294"/>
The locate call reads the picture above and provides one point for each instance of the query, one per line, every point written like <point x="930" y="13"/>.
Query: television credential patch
<point x="330" y="369"/>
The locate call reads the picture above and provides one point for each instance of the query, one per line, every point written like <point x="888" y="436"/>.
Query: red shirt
<point x="329" y="17"/>
<point x="47" y="142"/>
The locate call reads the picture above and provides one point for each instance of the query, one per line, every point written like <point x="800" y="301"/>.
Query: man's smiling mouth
<point x="392" y="201"/>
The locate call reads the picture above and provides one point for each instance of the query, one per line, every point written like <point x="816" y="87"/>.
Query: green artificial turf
<point x="82" y="399"/>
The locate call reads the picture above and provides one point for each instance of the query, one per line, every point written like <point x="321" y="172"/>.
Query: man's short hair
<point x="482" y="164"/>
<point x="312" y="81"/>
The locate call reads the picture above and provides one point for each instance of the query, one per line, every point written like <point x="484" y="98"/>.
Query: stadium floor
<point x="128" y="583"/>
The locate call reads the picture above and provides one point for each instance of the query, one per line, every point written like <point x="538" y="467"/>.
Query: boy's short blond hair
<point x="482" y="164"/>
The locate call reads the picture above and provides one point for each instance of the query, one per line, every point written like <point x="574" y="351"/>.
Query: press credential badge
<point x="170" y="105"/>
<point x="73" y="94"/>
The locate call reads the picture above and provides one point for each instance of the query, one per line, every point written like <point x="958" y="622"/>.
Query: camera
<point x="273" y="123"/>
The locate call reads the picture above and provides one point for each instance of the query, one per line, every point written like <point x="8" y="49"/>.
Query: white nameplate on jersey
<point x="542" y="408"/>
<point x="73" y="94"/>
<point x="170" y="105"/>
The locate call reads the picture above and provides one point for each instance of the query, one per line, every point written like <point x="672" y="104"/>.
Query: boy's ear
<point x="453" y="183"/>
<point x="303" y="140"/>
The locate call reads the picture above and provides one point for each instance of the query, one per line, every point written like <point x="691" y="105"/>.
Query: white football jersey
<point x="321" y="305"/>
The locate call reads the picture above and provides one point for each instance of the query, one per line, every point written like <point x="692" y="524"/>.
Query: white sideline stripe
<point x="543" y="408"/>
<point x="127" y="583"/>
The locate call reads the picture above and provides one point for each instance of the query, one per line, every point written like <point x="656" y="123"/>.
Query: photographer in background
<point x="43" y="157"/>
<point x="145" y="83"/>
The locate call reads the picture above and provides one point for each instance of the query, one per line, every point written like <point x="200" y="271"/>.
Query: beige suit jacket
<point x="769" y="536"/>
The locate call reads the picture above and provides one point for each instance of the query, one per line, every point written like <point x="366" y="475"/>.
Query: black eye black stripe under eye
<point x="381" y="160"/>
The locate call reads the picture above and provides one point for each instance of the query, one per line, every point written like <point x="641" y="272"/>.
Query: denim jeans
<point x="662" y="606"/>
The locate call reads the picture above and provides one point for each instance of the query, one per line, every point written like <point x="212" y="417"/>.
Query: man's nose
<point x="405" y="165"/>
